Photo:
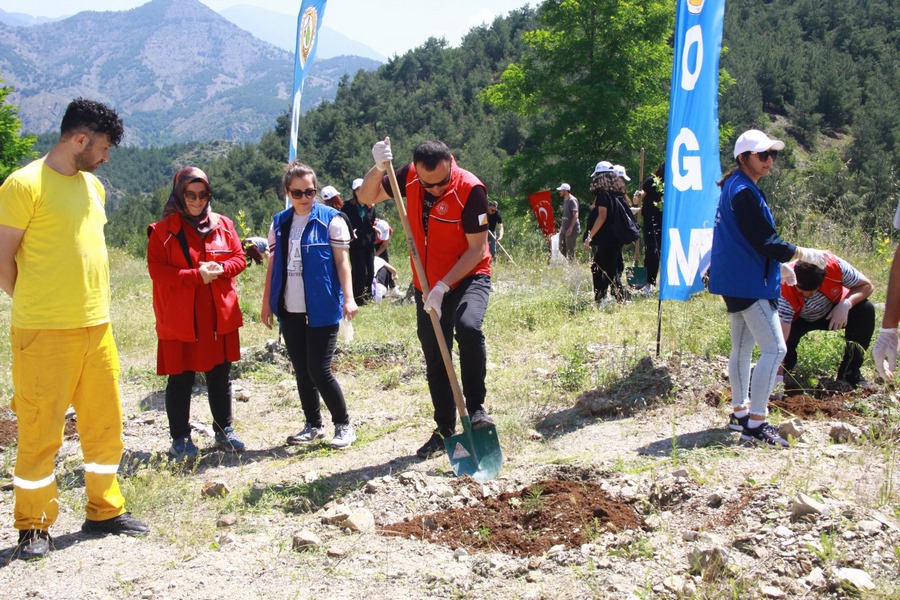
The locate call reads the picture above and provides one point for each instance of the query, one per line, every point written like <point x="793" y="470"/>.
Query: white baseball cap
<point x="620" y="171"/>
<point x="564" y="188"/>
<point x="604" y="166"/>
<point x="356" y="183"/>
<point x="383" y="230"/>
<point x="754" y="140"/>
<point x="329" y="192"/>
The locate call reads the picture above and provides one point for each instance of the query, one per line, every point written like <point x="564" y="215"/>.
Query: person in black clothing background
<point x="650" y="201"/>
<point x="362" y="247"/>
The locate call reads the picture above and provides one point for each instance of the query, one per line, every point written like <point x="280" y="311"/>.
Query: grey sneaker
<point x="480" y="419"/>
<point x="344" y="436"/>
<point x="306" y="435"/>
<point x="183" y="449"/>
<point x="227" y="441"/>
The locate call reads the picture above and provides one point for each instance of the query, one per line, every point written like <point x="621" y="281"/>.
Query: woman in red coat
<point x="193" y="256"/>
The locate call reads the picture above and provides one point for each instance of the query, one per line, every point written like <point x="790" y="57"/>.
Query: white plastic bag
<point x="345" y="331"/>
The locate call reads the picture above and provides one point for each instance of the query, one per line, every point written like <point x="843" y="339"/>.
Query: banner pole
<point x="658" y="324"/>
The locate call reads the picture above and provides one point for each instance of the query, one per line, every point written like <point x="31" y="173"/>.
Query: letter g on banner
<point x="687" y="172"/>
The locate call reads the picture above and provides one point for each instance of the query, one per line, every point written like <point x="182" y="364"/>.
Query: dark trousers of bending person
<point x="857" y="335"/>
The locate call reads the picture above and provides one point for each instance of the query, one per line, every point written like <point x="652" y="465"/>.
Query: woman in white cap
<point x="332" y="197"/>
<point x="607" y="268"/>
<point x="747" y="265"/>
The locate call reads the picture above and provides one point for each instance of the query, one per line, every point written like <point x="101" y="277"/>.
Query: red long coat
<point x="196" y="324"/>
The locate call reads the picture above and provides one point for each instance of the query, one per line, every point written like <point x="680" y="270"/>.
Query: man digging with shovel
<point x="448" y="225"/>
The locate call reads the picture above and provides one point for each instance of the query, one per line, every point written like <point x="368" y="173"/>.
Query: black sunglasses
<point x="193" y="196"/>
<point x="764" y="156"/>
<point x="441" y="183"/>
<point x="297" y="194"/>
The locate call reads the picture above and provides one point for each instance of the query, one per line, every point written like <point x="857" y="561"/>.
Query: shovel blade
<point x="475" y="452"/>
<point x="637" y="276"/>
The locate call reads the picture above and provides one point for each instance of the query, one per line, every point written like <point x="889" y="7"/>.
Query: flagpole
<point x="309" y="20"/>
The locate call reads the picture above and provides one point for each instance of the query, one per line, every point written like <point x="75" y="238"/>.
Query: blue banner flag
<point x="308" y="22"/>
<point x="692" y="149"/>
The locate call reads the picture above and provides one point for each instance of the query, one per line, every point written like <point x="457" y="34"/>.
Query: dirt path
<point x="622" y="496"/>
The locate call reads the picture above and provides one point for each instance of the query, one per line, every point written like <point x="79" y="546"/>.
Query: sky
<point x="387" y="26"/>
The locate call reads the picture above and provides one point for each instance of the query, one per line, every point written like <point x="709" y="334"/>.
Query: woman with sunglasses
<point x="748" y="262"/>
<point x="309" y="288"/>
<point x="193" y="256"/>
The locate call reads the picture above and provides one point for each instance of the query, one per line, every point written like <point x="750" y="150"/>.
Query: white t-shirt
<point x="294" y="292"/>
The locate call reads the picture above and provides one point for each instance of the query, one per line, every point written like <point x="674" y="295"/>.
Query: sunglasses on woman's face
<point x="764" y="156"/>
<point x="194" y="196"/>
<point x="297" y="194"/>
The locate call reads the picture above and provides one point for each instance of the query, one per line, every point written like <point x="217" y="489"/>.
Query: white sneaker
<point x="344" y="436"/>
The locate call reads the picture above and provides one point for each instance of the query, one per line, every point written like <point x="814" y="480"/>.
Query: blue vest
<point x="736" y="268"/>
<point x="322" y="287"/>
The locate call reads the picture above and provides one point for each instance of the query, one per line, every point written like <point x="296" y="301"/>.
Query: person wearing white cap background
<point x="570" y="226"/>
<point x="332" y="197"/>
<point x="745" y="271"/>
<point x="362" y="246"/>
<point x="607" y="267"/>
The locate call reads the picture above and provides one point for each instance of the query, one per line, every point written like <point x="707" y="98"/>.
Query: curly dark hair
<point x="88" y="115"/>
<point x="607" y="182"/>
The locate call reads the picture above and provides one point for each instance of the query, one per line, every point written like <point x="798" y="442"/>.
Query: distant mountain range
<point x="280" y="29"/>
<point x="175" y="70"/>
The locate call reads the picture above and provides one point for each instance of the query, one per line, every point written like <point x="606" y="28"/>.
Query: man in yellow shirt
<point x="53" y="263"/>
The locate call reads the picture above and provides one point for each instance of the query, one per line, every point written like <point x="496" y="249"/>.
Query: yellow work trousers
<point x="52" y="369"/>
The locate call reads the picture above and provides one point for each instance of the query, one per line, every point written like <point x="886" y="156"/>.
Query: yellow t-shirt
<point x="63" y="267"/>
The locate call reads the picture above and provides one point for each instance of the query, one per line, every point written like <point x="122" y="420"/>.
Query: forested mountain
<point x="175" y="69"/>
<point x="824" y="80"/>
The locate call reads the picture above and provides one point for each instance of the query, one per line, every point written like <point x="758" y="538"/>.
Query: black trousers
<point x="362" y="268"/>
<point x="606" y="271"/>
<point x="462" y="311"/>
<point x="858" y="335"/>
<point x="652" y="246"/>
<point x="178" y="399"/>
<point x="311" y="350"/>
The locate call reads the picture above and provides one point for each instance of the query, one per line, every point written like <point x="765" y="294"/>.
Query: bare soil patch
<point x="840" y="406"/>
<point x="525" y="523"/>
<point x="9" y="432"/>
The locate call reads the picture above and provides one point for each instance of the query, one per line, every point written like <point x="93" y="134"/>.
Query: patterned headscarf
<point x="202" y="223"/>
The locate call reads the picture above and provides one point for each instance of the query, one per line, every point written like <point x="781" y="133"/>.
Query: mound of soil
<point x="8" y="431"/>
<point x="840" y="406"/>
<point x="525" y="523"/>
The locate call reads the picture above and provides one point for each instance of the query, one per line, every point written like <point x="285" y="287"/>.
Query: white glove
<point x="787" y="274"/>
<point x="382" y="154"/>
<point x="885" y="352"/>
<point x="812" y="256"/>
<point x="838" y="314"/>
<point x="436" y="298"/>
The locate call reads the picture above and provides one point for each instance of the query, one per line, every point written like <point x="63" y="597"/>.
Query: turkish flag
<point x="542" y="205"/>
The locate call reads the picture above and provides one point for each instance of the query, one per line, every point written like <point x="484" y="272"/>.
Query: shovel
<point x="473" y="452"/>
